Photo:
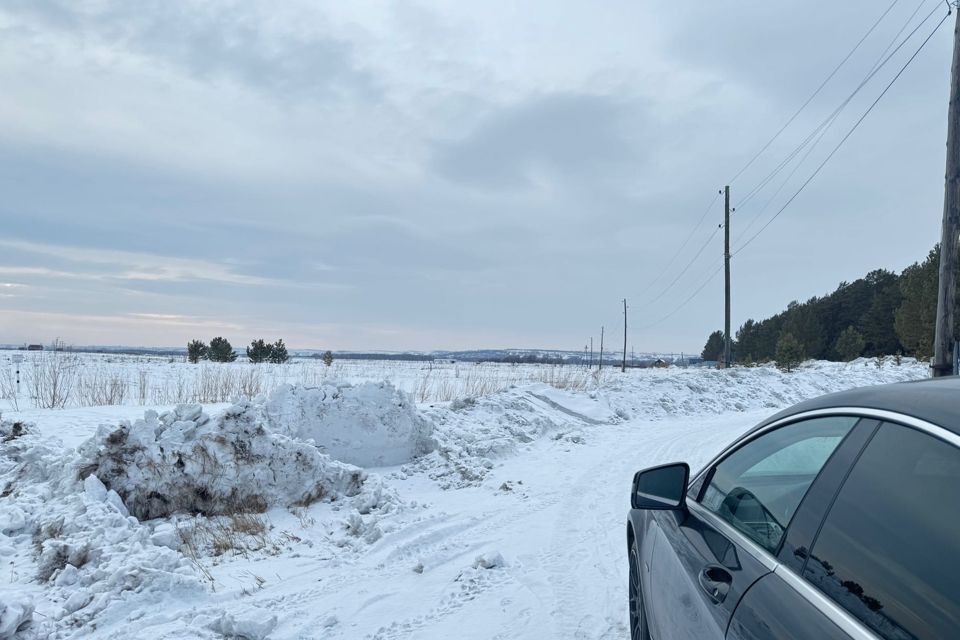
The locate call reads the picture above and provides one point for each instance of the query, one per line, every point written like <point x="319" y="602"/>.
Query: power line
<point x="816" y="136"/>
<point x="814" y="94"/>
<point x="689" y="264"/>
<point x="682" y="246"/>
<point x="676" y="309"/>
<point x="906" y="24"/>
<point x="846" y="137"/>
<point x="828" y="121"/>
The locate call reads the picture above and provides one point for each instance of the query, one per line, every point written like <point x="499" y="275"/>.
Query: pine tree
<point x="196" y="351"/>
<point x="278" y="352"/>
<point x="328" y="358"/>
<point x="220" y="350"/>
<point x="259" y="351"/>
<point x="714" y="347"/>
<point x="850" y="344"/>
<point x="915" y="319"/>
<point x="789" y="352"/>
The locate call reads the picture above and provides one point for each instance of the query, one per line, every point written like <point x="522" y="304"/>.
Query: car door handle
<point x="715" y="582"/>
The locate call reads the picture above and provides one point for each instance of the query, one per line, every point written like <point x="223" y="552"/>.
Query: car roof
<point x="935" y="400"/>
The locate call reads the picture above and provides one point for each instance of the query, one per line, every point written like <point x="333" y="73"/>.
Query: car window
<point x="889" y="549"/>
<point x="759" y="486"/>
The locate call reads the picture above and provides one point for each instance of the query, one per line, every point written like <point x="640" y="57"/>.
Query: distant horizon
<point x="10" y="346"/>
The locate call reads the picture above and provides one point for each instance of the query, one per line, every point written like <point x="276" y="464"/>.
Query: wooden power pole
<point x="601" y="349"/>
<point x="623" y="368"/>
<point x="726" y="267"/>
<point x="943" y="351"/>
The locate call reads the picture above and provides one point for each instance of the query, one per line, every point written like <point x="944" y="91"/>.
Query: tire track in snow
<point x="589" y="541"/>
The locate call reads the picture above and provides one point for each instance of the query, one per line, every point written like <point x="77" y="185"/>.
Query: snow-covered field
<point x="347" y="504"/>
<point x="60" y="379"/>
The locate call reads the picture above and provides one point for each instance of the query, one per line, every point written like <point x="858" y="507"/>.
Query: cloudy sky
<point x="430" y="175"/>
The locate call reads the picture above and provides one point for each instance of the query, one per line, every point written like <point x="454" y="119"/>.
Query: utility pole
<point x="623" y="369"/>
<point x="601" y="349"/>
<point x="726" y="265"/>
<point x="591" y="352"/>
<point x="943" y="349"/>
<point x="584" y="361"/>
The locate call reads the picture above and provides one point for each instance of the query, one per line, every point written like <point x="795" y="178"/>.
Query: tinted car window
<point x="758" y="487"/>
<point x="889" y="551"/>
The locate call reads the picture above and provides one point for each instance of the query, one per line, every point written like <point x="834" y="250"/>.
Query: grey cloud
<point x="569" y="135"/>
<point x="799" y="45"/>
<point x="212" y="42"/>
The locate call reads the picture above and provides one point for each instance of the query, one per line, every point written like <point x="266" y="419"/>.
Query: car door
<point x="708" y="555"/>
<point x="888" y="551"/>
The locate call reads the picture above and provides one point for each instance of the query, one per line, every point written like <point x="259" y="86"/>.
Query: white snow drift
<point x="369" y="425"/>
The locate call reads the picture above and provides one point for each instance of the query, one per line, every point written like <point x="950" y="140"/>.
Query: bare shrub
<point x="8" y="388"/>
<point x="424" y="386"/>
<point x="303" y="517"/>
<point x="176" y="391"/>
<point x="215" y="383"/>
<point x="565" y="377"/>
<point x="250" y="382"/>
<point x="143" y="385"/>
<point x="52" y="378"/>
<point x="99" y="388"/>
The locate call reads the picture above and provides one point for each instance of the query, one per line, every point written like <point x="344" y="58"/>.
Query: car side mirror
<point x="661" y="488"/>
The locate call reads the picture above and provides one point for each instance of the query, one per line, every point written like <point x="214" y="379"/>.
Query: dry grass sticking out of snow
<point x="61" y="379"/>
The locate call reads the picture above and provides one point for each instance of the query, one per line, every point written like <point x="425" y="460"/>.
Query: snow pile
<point x="251" y="627"/>
<point x="16" y="612"/>
<point x="369" y="425"/>
<point x="75" y="539"/>
<point x="11" y="430"/>
<point x="474" y="432"/>
<point x="185" y="462"/>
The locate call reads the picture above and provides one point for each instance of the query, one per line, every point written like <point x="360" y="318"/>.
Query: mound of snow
<point x="84" y="548"/>
<point x="185" y="462"/>
<point x="15" y="614"/>
<point x="254" y="626"/>
<point x="369" y="425"/>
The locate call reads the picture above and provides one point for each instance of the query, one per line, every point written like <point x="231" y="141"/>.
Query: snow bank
<point x="185" y="462"/>
<point x="472" y="433"/>
<point x="75" y="539"/>
<point x="369" y="425"/>
<point x="661" y="393"/>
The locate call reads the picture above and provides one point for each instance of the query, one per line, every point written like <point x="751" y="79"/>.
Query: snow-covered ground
<point x="88" y="379"/>
<point x="501" y="514"/>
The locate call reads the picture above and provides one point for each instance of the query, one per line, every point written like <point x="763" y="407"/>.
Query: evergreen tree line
<point x="880" y="314"/>
<point x="220" y="350"/>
